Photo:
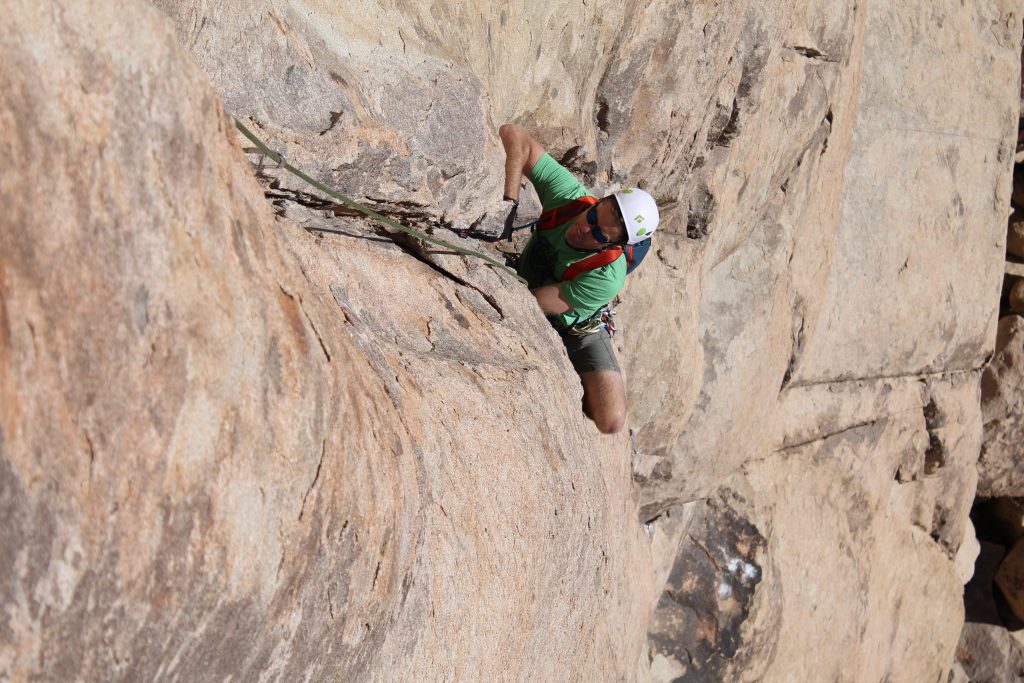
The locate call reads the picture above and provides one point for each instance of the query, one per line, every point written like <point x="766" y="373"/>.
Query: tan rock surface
<point x="843" y="520"/>
<point x="284" y="455"/>
<point x="771" y="151"/>
<point x="841" y="276"/>
<point x="231" y="449"/>
<point x="867" y="351"/>
<point x="865" y="550"/>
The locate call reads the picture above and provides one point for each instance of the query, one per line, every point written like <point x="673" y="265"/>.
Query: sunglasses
<point x="595" y="229"/>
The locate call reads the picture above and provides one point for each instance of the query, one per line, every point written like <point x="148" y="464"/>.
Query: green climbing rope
<point x="280" y="160"/>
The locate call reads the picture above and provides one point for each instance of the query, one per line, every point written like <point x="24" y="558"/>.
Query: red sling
<point x="550" y="220"/>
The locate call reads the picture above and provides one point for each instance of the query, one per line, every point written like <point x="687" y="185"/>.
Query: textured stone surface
<point x="868" y="548"/>
<point x="695" y="629"/>
<point x="830" y="268"/>
<point x="869" y="252"/>
<point x="1000" y="471"/>
<point x="237" y="448"/>
<point x="768" y="133"/>
<point x="872" y="484"/>
<point x="231" y="449"/>
<point x="989" y="654"/>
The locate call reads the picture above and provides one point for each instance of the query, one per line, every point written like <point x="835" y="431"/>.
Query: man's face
<point x="582" y="235"/>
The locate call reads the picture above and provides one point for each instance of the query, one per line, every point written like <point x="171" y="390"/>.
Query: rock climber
<point x="575" y="306"/>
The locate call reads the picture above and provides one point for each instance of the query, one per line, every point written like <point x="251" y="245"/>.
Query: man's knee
<point x="610" y="422"/>
<point x="604" y="400"/>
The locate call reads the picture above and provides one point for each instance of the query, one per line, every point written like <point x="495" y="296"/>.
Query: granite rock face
<point x="300" y="446"/>
<point x="845" y="537"/>
<point x="868" y="440"/>
<point x="829" y="264"/>
<point x="234" y="450"/>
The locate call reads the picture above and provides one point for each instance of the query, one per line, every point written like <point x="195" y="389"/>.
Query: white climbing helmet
<point x="639" y="212"/>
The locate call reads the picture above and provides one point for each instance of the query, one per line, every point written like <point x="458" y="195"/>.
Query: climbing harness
<point x="602" y="321"/>
<point x="283" y="163"/>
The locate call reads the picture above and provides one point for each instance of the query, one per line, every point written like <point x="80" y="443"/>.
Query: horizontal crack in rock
<point x="822" y="437"/>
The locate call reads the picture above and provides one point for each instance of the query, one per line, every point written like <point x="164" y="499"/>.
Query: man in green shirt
<point x="574" y="306"/>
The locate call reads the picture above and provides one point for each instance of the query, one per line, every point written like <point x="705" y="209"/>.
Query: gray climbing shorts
<point x="590" y="351"/>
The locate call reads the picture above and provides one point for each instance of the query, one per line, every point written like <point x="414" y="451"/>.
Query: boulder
<point x="1000" y="471"/>
<point x="1015" y="234"/>
<point x="841" y="541"/>
<point x="988" y="653"/>
<point x="872" y="481"/>
<point x="1010" y="579"/>
<point x="1016" y="296"/>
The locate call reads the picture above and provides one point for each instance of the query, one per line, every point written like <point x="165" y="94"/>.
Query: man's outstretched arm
<point x="522" y="152"/>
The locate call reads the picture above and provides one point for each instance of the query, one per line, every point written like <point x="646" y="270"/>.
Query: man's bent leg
<point x="604" y="399"/>
<point x="604" y="395"/>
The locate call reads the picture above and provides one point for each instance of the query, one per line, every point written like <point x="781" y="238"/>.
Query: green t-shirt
<point x="547" y="254"/>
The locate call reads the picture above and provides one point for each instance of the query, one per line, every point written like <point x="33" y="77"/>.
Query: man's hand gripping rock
<point x="499" y="215"/>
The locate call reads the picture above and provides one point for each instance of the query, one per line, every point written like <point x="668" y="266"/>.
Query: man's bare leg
<point x="604" y="399"/>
